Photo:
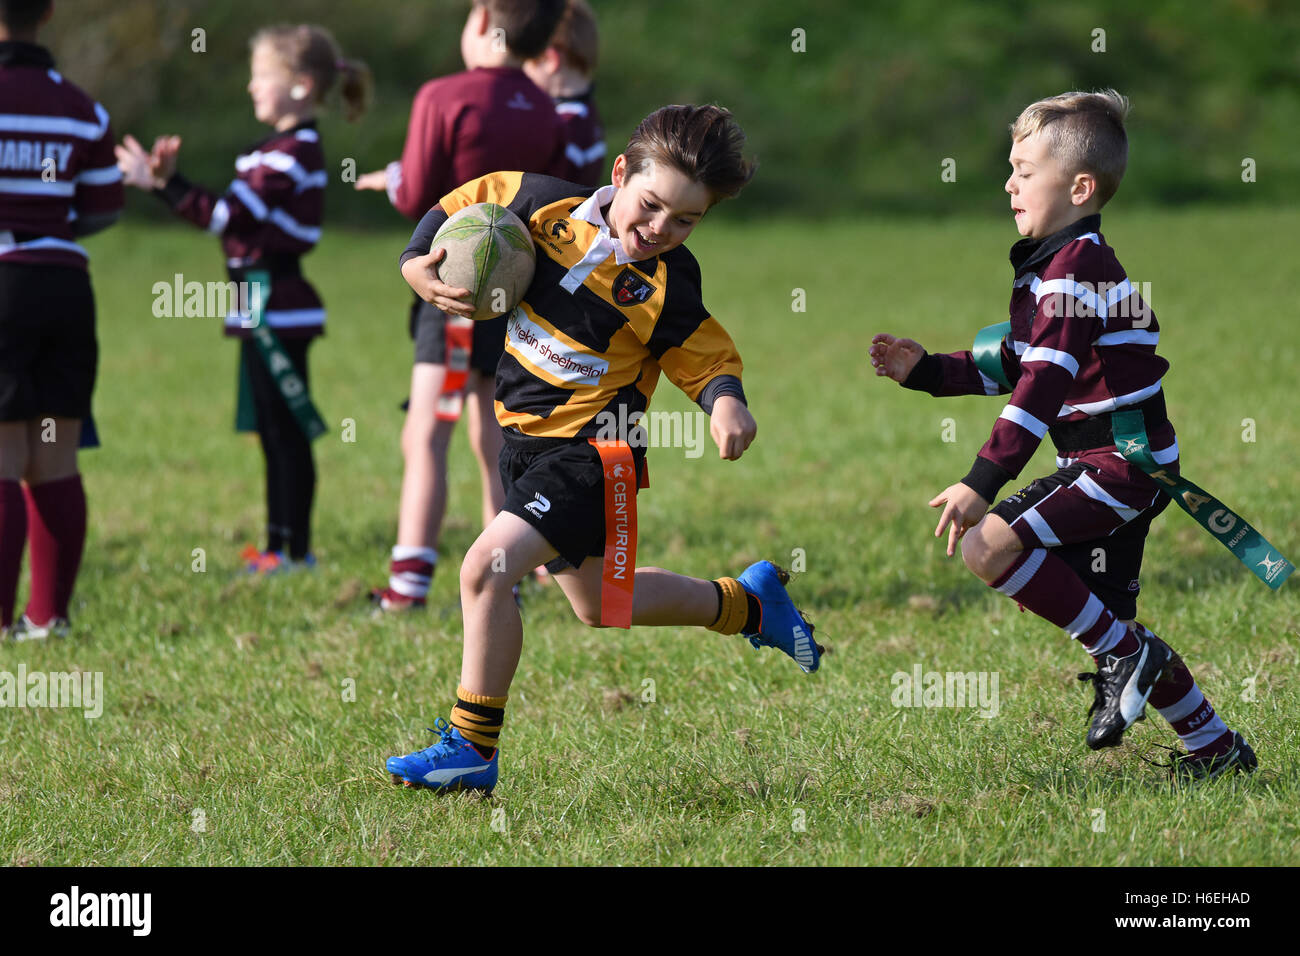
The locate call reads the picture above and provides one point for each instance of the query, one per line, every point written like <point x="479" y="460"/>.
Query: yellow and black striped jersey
<point x="594" y="329"/>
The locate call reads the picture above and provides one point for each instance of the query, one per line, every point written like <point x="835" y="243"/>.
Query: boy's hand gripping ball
<point x="489" y="252"/>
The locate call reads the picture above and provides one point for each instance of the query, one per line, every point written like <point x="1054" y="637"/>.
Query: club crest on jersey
<point x="558" y="230"/>
<point x="631" y="289"/>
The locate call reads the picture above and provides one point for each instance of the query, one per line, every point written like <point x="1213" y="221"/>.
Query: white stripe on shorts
<point x="1041" y="528"/>
<point x="1094" y="491"/>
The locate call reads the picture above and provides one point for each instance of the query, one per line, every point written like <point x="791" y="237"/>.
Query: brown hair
<point x="577" y="36"/>
<point x="310" y="49"/>
<point x="1085" y="131"/>
<point x="703" y="142"/>
<point x="528" y="24"/>
<point x="22" y="15"/>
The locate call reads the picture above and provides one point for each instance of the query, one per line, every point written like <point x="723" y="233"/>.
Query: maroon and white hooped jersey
<point x="584" y="139"/>
<point x="467" y="125"/>
<point x="56" y="161"/>
<point x="1082" y="344"/>
<point x="268" y="218"/>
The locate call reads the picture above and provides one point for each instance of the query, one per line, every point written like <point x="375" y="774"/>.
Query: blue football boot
<point x="453" y="763"/>
<point x="780" y="624"/>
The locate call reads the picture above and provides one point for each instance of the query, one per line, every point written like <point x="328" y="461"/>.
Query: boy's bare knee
<point x="479" y="572"/>
<point x="989" y="548"/>
<point x="975" y="551"/>
<point x="417" y="433"/>
<point x="588" y="616"/>
<point x="422" y="436"/>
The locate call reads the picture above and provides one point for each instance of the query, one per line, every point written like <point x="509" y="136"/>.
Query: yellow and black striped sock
<point x="479" y="719"/>
<point x="739" y="612"/>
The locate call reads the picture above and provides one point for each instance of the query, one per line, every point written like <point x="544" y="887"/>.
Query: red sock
<point x="13" y="534"/>
<point x="56" y="517"/>
<point x="1046" y="585"/>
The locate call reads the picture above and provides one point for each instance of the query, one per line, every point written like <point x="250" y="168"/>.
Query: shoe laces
<point x="1175" y="758"/>
<point x="445" y="745"/>
<point x="1098" y="691"/>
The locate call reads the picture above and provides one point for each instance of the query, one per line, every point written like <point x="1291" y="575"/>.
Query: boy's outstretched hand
<point x="378" y="180"/>
<point x="731" y="426"/>
<point x="895" y="357"/>
<point x="962" y="510"/>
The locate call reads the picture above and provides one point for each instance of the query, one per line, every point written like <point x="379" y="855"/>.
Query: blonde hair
<point x="1085" y="131"/>
<point x="310" y="49"/>
<point x="577" y="37"/>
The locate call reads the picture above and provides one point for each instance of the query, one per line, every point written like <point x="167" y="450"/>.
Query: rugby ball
<point x="489" y="252"/>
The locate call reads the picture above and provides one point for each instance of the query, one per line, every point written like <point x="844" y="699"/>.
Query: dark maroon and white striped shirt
<point x="56" y="162"/>
<point x="467" y="125"/>
<point x="268" y="217"/>
<point x="1082" y="344"/>
<point x="584" y="139"/>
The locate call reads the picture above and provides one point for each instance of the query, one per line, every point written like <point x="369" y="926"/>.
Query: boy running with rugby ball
<point x="614" y="301"/>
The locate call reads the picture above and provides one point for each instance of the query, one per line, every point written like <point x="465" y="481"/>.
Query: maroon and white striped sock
<point x="13" y="535"/>
<point x="1188" y="710"/>
<point x="411" y="570"/>
<point x="56" y="526"/>
<point x="1046" y="585"/>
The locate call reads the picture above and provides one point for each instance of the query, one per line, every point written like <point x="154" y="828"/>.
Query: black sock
<point x="754" y="615"/>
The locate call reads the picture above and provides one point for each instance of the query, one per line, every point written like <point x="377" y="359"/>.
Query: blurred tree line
<point x="850" y="106"/>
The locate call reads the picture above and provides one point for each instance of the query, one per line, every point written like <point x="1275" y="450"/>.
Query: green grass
<point x="225" y="696"/>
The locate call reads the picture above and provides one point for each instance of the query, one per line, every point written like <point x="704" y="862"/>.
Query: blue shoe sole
<point x="486" y="790"/>
<point x="757" y="579"/>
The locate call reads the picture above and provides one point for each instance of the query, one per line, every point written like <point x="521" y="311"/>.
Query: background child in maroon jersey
<point x="462" y="126"/>
<point x="565" y="70"/>
<point x="60" y="182"/>
<point x="1082" y="345"/>
<point x="268" y="218"/>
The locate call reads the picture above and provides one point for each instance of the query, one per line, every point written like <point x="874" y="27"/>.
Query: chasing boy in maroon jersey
<point x="1068" y="546"/>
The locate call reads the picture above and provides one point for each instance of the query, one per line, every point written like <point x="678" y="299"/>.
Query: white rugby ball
<point x="489" y="252"/>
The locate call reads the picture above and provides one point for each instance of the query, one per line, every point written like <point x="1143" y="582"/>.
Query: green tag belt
<point x="1129" y="428"/>
<point x="289" y="383"/>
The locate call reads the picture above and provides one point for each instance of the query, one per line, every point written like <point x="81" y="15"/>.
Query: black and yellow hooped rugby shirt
<point x="594" y="328"/>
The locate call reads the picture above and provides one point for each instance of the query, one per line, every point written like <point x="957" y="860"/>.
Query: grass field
<point x="228" y="735"/>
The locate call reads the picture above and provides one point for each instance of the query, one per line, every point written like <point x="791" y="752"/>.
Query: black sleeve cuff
<point x="722" y="385"/>
<point x="927" y="376"/>
<point x="174" y="191"/>
<point x="422" y="238"/>
<point x="986" y="479"/>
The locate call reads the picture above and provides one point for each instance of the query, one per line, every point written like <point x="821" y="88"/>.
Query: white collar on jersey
<point x="590" y="212"/>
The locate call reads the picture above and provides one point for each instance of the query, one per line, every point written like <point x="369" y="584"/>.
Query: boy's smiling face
<point x="1044" y="196"/>
<point x="654" y="210"/>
